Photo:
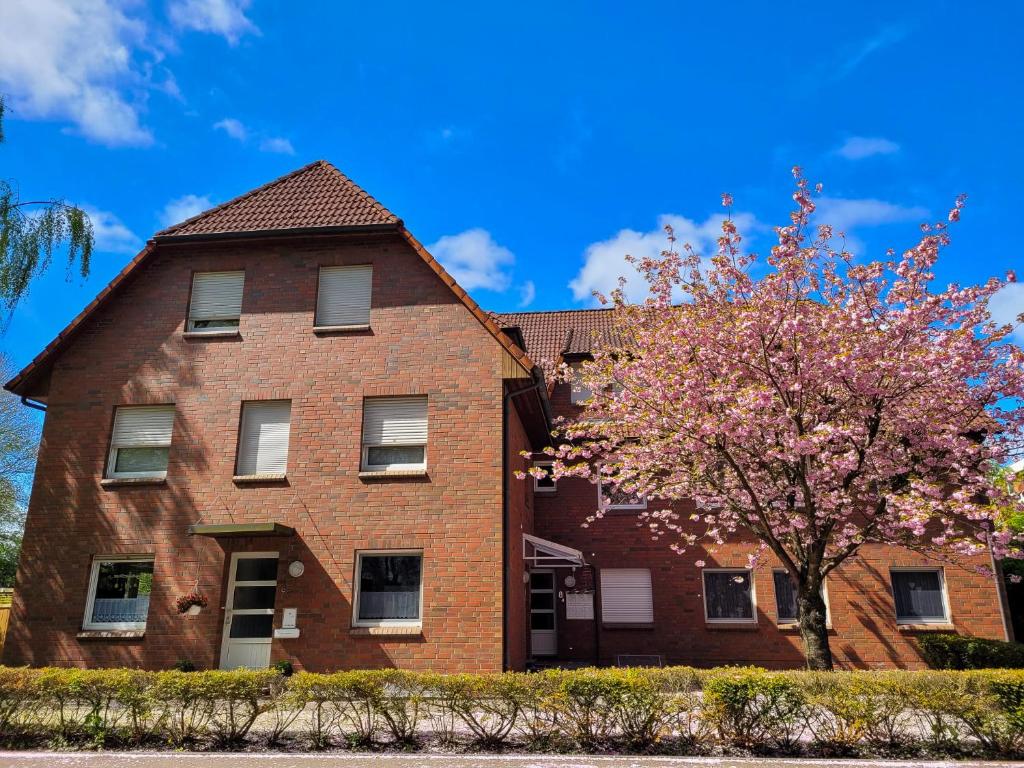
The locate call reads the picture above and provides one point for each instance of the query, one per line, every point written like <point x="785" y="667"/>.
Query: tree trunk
<point x="810" y="606"/>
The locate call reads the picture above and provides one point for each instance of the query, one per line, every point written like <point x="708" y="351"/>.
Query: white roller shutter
<point x="263" y="444"/>
<point x="343" y="296"/>
<point x="143" y="426"/>
<point x="626" y="596"/>
<point x="395" y="421"/>
<point x="216" y="296"/>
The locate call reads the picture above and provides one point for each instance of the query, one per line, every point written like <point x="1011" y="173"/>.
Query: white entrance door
<point x="249" y="611"/>
<point x="543" y="640"/>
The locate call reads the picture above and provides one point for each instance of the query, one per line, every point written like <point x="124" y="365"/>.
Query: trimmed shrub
<point x="949" y="651"/>
<point x="750" y="707"/>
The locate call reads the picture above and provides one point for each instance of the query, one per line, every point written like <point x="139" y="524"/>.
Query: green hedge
<point x="949" y="651"/>
<point x="675" y="710"/>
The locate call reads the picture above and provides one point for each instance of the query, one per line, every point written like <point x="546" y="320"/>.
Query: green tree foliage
<point x="31" y="231"/>
<point x="19" y="438"/>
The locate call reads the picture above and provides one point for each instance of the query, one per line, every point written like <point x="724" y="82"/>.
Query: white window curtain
<point x="141" y="440"/>
<point x="263" y="443"/>
<point x="216" y="300"/>
<point x="343" y="296"/>
<point x="919" y="596"/>
<point x="394" y="433"/>
<point x="626" y="596"/>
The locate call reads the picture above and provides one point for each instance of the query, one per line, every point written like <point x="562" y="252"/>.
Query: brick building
<point x="286" y="405"/>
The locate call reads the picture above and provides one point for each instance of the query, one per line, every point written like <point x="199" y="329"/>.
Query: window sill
<point x="340" y="328"/>
<point x="111" y="634"/>
<point x="211" y="334"/>
<point x="114" y="482"/>
<point x="792" y="626"/>
<point x="389" y="473"/>
<point x="937" y="627"/>
<point x="637" y="625"/>
<point x="252" y="479"/>
<point x="410" y="631"/>
<point x="732" y="626"/>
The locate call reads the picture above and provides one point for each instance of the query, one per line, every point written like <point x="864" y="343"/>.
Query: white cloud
<point x="184" y="207"/>
<point x="527" y="293"/>
<point x="1007" y="305"/>
<point x="860" y="147"/>
<point x="475" y="260"/>
<point x="76" y="60"/>
<point x="848" y="214"/>
<point x="278" y="145"/>
<point x="233" y="128"/>
<point x="605" y="261"/>
<point x="111" y="234"/>
<point x="220" y="17"/>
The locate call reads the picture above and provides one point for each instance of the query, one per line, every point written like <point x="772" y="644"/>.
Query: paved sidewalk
<point x="279" y="760"/>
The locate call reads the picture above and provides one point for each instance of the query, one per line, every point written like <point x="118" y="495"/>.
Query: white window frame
<point x="421" y="466"/>
<point x="90" y="599"/>
<point x="554" y="483"/>
<point x="578" y="394"/>
<point x="942" y="585"/>
<point x="112" y="473"/>
<point x="224" y="329"/>
<point x="790" y="622"/>
<point x="613" y="507"/>
<point x="357" y="582"/>
<point x="753" y="595"/>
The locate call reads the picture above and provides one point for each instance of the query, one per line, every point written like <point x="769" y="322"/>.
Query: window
<point x="544" y="484"/>
<point x="141" y="441"/>
<point x="216" y="301"/>
<point x="626" y="596"/>
<point x="394" y="434"/>
<point x="263" y="440"/>
<point x="389" y="588"/>
<point x="728" y="595"/>
<point x="343" y="296"/>
<point x="920" y="596"/>
<point x="610" y="497"/>
<point x="785" y="598"/>
<point x="119" y="589"/>
<point x="579" y="392"/>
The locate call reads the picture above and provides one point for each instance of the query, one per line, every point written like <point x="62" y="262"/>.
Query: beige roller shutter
<point x="626" y="596"/>
<point x="395" y="421"/>
<point x="216" y="296"/>
<point x="343" y="296"/>
<point x="263" y="443"/>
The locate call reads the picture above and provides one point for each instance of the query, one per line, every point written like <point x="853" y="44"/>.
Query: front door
<point x="249" y="611"/>
<point x="543" y="640"/>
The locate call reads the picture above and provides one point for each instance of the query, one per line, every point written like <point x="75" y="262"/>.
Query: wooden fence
<point x="5" y="612"/>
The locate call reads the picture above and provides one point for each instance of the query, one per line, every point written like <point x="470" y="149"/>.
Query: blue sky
<point x="530" y="145"/>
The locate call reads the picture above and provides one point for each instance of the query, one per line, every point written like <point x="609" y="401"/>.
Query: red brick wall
<point x="422" y="341"/>
<point x="520" y="512"/>
<point x="864" y="634"/>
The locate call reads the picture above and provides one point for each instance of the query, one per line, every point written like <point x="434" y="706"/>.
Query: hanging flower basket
<point x="192" y="603"/>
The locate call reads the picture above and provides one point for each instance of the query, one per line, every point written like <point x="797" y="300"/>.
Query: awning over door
<point x="241" y="529"/>
<point x="541" y="552"/>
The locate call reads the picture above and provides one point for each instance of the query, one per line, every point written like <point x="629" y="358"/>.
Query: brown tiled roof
<point x="316" y="195"/>
<point x="549" y="335"/>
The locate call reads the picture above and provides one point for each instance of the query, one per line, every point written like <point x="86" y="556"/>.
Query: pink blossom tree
<point x="815" y="404"/>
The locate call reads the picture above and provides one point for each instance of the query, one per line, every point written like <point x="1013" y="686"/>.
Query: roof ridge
<point x="244" y="196"/>
<point x="555" y="311"/>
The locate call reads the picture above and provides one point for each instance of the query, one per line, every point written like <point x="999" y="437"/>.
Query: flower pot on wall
<point x="194" y="610"/>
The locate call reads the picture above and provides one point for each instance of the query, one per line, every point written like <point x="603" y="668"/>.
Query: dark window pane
<point x="785" y="596"/>
<point x="547" y="481"/>
<point x="389" y="587"/>
<point x="395" y="455"/>
<point x="542" y="580"/>
<point x="122" y="592"/>
<point x="256" y="569"/>
<point x="542" y="621"/>
<point x="141" y="460"/>
<point x="727" y="595"/>
<point x="254" y="597"/>
<point x="918" y="595"/>
<point x="542" y="600"/>
<point x="257" y="625"/>
<point x="206" y="325"/>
